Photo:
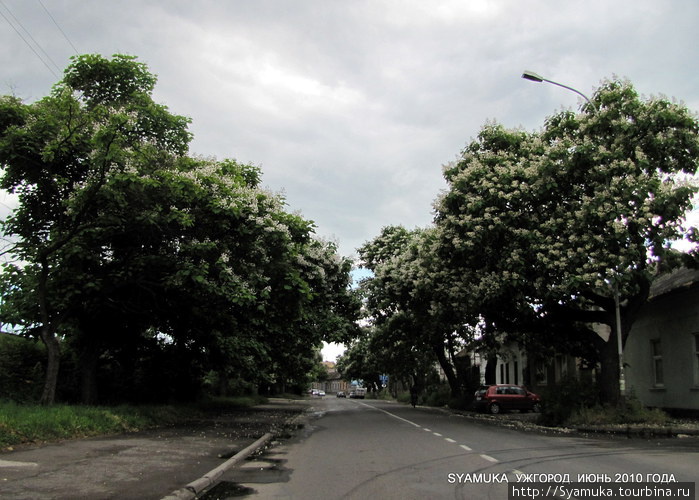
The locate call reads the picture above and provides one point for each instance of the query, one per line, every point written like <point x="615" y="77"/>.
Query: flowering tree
<point x="124" y="240"/>
<point x="554" y="224"/>
<point x="58" y="153"/>
<point x="408" y="301"/>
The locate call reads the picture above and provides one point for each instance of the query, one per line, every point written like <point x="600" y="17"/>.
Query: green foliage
<point x="138" y="260"/>
<point x="21" y="368"/>
<point x="565" y="398"/>
<point x="436" y="395"/>
<point x="632" y="412"/>
<point x="538" y="229"/>
<point x="411" y="313"/>
<point x="22" y="424"/>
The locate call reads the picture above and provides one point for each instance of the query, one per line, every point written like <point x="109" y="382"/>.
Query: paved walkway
<point x="144" y="465"/>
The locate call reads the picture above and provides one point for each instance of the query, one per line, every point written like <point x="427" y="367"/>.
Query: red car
<point x="497" y="398"/>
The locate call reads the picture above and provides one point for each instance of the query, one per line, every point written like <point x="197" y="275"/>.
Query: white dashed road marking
<point x="450" y="440"/>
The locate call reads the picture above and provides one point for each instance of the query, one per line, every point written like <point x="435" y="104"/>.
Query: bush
<point x="565" y="398"/>
<point x="21" y="368"/>
<point x="436" y="395"/>
<point x="633" y="412"/>
<point x="403" y="397"/>
<point x="461" y="403"/>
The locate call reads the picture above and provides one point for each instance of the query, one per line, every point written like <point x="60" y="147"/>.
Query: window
<point x="657" y="354"/>
<point x="696" y="359"/>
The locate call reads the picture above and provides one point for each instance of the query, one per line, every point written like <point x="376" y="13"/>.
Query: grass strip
<point x="29" y="423"/>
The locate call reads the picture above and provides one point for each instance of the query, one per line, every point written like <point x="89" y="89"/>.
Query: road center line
<point x="489" y="458"/>
<point x="393" y="415"/>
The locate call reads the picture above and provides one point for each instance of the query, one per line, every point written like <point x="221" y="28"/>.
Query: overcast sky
<point x="352" y="107"/>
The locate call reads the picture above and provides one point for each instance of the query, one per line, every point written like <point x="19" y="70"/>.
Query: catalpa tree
<point x="560" y="223"/>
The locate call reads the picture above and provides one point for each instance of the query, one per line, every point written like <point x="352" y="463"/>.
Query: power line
<point x="27" y="42"/>
<point x="58" y="26"/>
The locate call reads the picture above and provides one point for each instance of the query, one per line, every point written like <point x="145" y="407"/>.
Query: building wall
<point x="662" y="354"/>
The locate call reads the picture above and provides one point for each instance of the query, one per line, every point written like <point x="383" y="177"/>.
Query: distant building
<point x="333" y="383"/>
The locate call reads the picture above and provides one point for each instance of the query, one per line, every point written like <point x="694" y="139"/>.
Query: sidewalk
<point x="140" y="466"/>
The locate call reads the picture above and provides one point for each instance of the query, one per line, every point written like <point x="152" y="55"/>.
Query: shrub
<point x="632" y="412"/>
<point x="436" y="395"/>
<point x="565" y="398"/>
<point x="461" y="403"/>
<point x="21" y="368"/>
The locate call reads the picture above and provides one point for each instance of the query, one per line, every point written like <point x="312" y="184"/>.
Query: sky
<point x="351" y="108"/>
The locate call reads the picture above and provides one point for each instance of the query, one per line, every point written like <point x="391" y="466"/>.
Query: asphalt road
<point x="348" y="449"/>
<point x="354" y="449"/>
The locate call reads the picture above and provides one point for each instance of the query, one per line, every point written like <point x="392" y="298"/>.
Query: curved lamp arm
<point x="530" y="75"/>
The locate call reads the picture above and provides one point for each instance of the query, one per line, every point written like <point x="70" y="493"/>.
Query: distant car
<point x="314" y="392"/>
<point x="321" y="393"/>
<point x="502" y="397"/>
<point x="341" y="394"/>
<point x="358" y="393"/>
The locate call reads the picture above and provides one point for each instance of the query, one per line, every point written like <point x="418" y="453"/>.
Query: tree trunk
<point x="48" y="337"/>
<point x="53" y="351"/>
<point x="491" y="370"/>
<point x="88" y="374"/>
<point x="609" y="371"/>
<point x="448" y="370"/>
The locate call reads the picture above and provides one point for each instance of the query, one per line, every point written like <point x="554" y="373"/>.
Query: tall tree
<point x="406" y="295"/>
<point x="556" y="223"/>
<point x="57" y="155"/>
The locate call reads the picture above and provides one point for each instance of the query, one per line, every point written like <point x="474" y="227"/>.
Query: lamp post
<point x="531" y="76"/>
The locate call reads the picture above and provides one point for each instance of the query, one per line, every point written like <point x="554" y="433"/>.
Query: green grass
<point x="34" y="423"/>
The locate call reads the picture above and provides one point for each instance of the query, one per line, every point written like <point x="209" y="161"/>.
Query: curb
<point x="197" y="487"/>
<point x="622" y="430"/>
<point x="639" y="431"/>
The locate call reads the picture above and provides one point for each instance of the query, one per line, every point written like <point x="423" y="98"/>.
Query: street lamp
<point x="531" y="76"/>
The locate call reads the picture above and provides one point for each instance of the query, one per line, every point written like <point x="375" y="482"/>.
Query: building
<point x="333" y="382"/>
<point x="661" y="355"/>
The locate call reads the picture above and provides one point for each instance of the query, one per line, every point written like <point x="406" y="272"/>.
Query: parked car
<point x="314" y="392"/>
<point x="321" y="393"/>
<point x="341" y="394"/>
<point x="498" y="398"/>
